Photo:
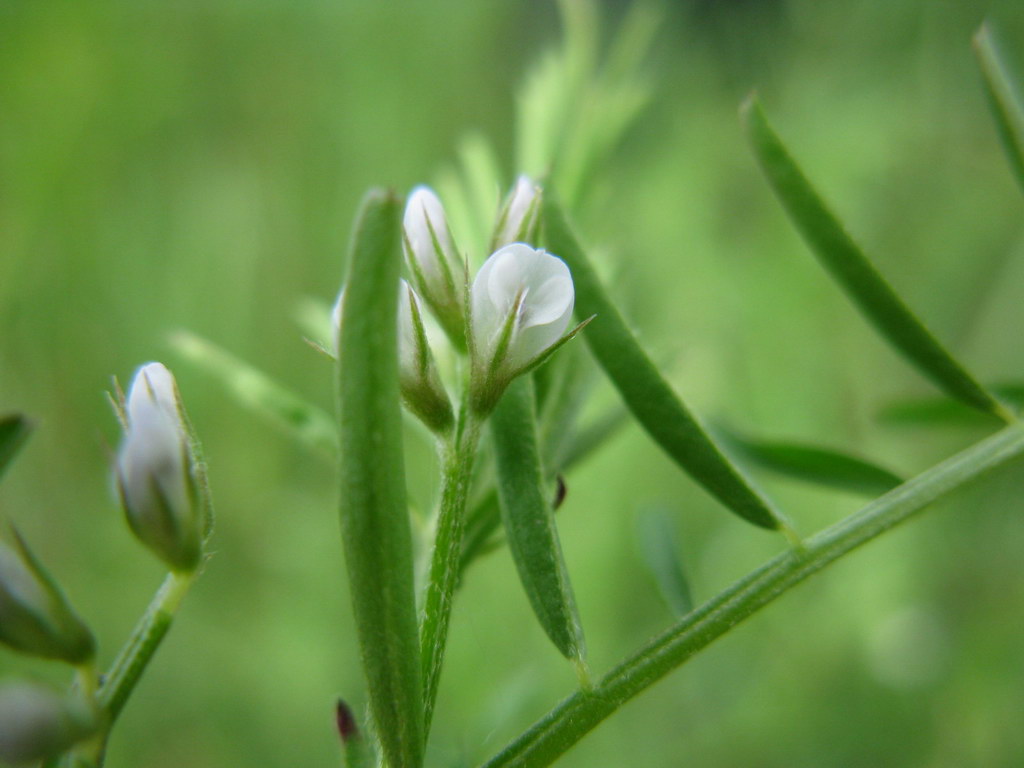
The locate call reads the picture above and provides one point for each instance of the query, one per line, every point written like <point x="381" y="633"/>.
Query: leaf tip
<point x="750" y="102"/>
<point x="982" y="36"/>
<point x="345" y="720"/>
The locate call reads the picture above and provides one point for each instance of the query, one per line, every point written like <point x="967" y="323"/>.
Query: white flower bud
<point x="522" y="301"/>
<point x="437" y="270"/>
<point x="35" y="617"/>
<point x="155" y="471"/>
<point x="422" y="390"/>
<point x="520" y="214"/>
<point x="37" y="723"/>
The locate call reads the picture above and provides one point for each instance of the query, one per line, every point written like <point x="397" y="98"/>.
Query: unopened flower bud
<point x="418" y="378"/>
<point x="37" y="723"/>
<point x="157" y="472"/>
<point x="419" y="381"/>
<point x="35" y="616"/>
<point x="522" y="300"/>
<point x="437" y="270"/>
<point x="520" y="215"/>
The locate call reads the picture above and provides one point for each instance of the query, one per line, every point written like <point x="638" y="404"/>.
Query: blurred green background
<point x="197" y="165"/>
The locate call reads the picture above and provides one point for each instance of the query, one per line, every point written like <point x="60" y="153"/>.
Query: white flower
<point x="522" y="301"/>
<point x="518" y="220"/>
<point x="154" y="469"/>
<point x="435" y="266"/>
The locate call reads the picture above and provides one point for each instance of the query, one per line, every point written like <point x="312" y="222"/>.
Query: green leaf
<point x="658" y="409"/>
<point x="850" y="267"/>
<point x="1004" y="99"/>
<point x="813" y="464"/>
<point x="529" y="519"/>
<point x="485" y="517"/>
<point x="659" y="547"/>
<point x="942" y="411"/>
<point x="14" y="431"/>
<point x="374" y="516"/>
<point x="256" y="391"/>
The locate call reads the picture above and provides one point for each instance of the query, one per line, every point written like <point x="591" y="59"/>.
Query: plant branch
<point x="444" y="565"/>
<point x="135" y="655"/>
<point x="578" y="714"/>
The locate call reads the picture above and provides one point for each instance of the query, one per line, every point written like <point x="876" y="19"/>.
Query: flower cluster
<point x="509" y="319"/>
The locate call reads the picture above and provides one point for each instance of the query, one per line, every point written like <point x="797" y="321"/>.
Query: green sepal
<point x="35" y="616"/>
<point x="423" y="393"/>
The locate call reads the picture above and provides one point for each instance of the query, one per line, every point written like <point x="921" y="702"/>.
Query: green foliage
<point x="940" y="411"/>
<point x="255" y="390"/>
<point x="1004" y="99"/>
<point x="529" y="519"/>
<point x="848" y="265"/>
<point x="574" y="109"/>
<point x="205" y="184"/>
<point x="374" y="519"/>
<point x="574" y="717"/>
<point x="814" y="464"/>
<point x="645" y="392"/>
<point x="659" y="547"/>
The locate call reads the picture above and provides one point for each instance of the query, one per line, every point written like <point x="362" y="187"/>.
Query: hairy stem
<point x="578" y="714"/>
<point x="135" y="655"/>
<point x="457" y="471"/>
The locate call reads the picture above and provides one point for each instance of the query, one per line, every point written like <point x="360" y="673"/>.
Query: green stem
<point x="458" y="458"/>
<point x="137" y="652"/>
<point x="578" y="714"/>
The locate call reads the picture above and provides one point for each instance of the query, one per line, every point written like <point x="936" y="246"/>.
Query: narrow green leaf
<point x="1004" y="99"/>
<point x="530" y="520"/>
<point x="484" y="518"/>
<point x="658" y="409"/>
<point x="656" y="532"/>
<point x="374" y="515"/>
<point x="813" y="464"/>
<point x="943" y="411"/>
<point x="262" y="395"/>
<point x="14" y="431"/>
<point x="857" y="276"/>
